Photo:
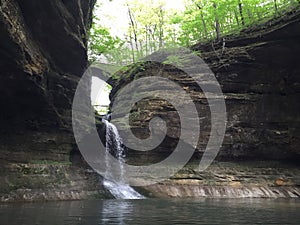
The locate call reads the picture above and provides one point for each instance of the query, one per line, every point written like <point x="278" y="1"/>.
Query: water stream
<point x="114" y="146"/>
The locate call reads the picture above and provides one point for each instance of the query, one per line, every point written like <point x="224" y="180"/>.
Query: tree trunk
<point x="241" y="12"/>
<point x="133" y="25"/>
<point x="204" y="25"/>
<point x="250" y="14"/>
<point x="203" y="21"/>
<point x="161" y="30"/>
<point x="141" y="52"/>
<point x="132" y="49"/>
<point x="154" y="41"/>
<point x="236" y="18"/>
<point x="146" y="33"/>
<point x="218" y="33"/>
<point x="276" y="6"/>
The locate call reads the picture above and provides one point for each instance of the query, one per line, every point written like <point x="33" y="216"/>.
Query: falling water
<point x="114" y="146"/>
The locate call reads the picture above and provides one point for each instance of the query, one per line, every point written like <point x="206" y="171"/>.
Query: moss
<point x="176" y="60"/>
<point x="47" y="162"/>
<point x="103" y="194"/>
<point x="129" y="72"/>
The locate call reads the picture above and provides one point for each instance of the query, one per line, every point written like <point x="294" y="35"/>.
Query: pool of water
<point x="153" y="211"/>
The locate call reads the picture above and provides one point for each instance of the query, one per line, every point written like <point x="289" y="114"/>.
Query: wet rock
<point x="258" y="179"/>
<point x="48" y="181"/>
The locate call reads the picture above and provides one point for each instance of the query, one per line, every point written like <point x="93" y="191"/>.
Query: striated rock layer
<point x="252" y="179"/>
<point x="259" y="75"/>
<point x="43" y="53"/>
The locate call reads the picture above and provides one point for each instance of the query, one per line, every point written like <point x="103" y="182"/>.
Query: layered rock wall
<point x="43" y="55"/>
<point x="259" y="75"/>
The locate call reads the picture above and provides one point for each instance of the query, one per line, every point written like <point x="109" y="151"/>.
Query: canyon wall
<point x="259" y="74"/>
<point x="43" y="54"/>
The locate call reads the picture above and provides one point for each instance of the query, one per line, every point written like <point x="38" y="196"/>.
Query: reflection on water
<point x="119" y="210"/>
<point x="153" y="211"/>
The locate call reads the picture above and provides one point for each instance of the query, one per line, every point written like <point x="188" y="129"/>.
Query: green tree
<point x="151" y="26"/>
<point x="102" y="42"/>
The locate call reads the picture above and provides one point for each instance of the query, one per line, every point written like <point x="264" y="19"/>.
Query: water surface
<point x="153" y="211"/>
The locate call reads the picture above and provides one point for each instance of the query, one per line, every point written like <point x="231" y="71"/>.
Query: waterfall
<point x="114" y="146"/>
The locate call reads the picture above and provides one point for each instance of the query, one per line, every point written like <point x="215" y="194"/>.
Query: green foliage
<point x="152" y="26"/>
<point x="176" y="60"/>
<point x="200" y="19"/>
<point x="102" y="42"/>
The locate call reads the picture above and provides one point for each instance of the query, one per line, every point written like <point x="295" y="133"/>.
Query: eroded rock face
<point x="43" y="55"/>
<point x="260" y="76"/>
<point x="255" y="179"/>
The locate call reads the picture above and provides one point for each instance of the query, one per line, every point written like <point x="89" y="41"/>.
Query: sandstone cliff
<point x="43" y="53"/>
<point x="259" y="74"/>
